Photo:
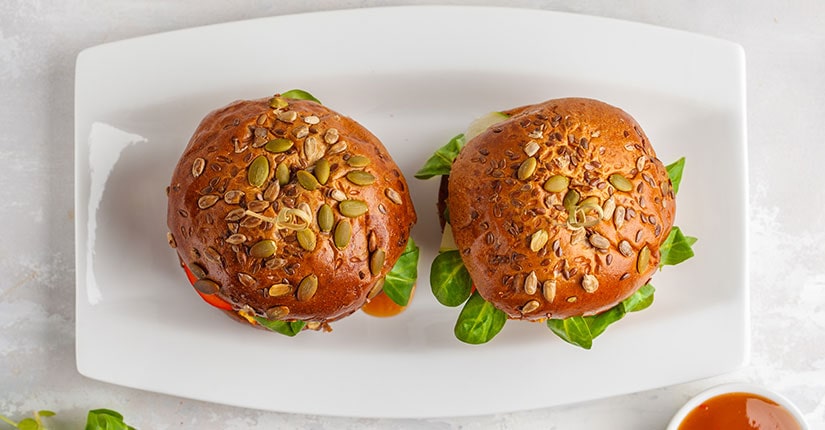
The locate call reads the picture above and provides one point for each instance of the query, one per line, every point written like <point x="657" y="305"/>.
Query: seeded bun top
<point x="560" y="210"/>
<point x="288" y="210"/>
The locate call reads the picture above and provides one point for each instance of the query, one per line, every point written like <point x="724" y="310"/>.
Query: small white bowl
<point x="736" y="388"/>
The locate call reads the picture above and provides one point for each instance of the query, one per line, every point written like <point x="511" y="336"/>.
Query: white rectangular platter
<point x="415" y="76"/>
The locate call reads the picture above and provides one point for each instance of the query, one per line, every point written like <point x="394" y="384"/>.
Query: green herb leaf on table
<point x="676" y="248"/>
<point x="581" y="331"/>
<point x="399" y="282"/>
<point x="674" y="171"/>
<point x="8" y="421"/>
<point x="97" y="419"/>
<point x="300" y="95"/>
<point x="441" y="162"/>
<point x="286" y="328"/>
<point x="479" y="321"/>
<point x="29" y="424"/>
<point x="449" y="279"/>
<point x="106" y="419"/>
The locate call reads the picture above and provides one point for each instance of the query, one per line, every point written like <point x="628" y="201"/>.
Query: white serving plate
<point x="415" y="76"/>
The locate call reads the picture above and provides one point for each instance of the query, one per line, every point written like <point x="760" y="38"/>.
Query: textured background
<point x="39" y="40"/>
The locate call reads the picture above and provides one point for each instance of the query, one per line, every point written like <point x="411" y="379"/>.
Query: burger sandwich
<point x="288" y="215"/>
<point x="558" y="212"/>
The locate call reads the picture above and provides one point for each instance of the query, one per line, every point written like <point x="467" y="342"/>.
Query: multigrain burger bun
<point x="560" y="210"/>
<point x="286" y="210"/>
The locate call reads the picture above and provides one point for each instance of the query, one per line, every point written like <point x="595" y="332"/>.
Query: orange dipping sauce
<point x="382" y="306"/>
<point x="739" y="411"/>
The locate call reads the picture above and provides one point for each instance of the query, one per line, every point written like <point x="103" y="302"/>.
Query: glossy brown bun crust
<point x="219" y="210"/>
<point x="500" y="209"/>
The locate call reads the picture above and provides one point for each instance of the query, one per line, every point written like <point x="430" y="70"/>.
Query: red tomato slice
<point x="208" y="298"/>
<point x="189" y="273"/>
<point x="215" y="301"/>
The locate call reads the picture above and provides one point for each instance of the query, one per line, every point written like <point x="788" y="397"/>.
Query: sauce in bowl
<point x="739" y="411"/>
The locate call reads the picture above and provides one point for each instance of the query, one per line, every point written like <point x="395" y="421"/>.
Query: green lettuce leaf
<point x="398" y="284"/>
<point x="449" y="279"/>
<point x="286" y="328"/>
<point x="441" y="162"/>
<point x="676" y="248"/>
<point x="640" y="300"/>
<point x="581" y="331"/>
<point x="573" y="330"/>
<point x="674" y="171"/>
<point x="300" y="95"/>
<point x="479" y="321"/>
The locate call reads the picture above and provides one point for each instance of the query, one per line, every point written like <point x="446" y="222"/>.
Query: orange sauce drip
<point x="382" y="306"/>
<point x="739" y="411"/>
